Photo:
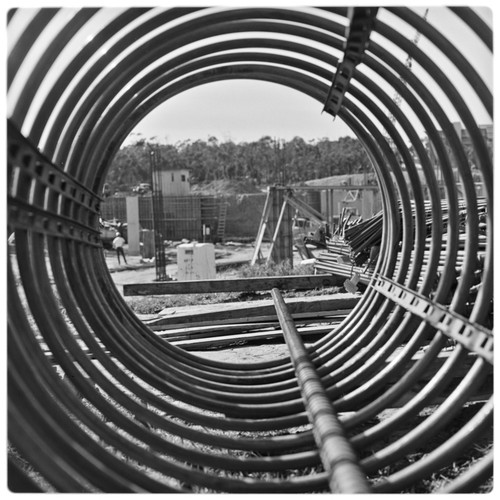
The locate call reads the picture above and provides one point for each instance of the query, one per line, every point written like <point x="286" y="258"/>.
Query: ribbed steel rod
<point x="337" y="454"/>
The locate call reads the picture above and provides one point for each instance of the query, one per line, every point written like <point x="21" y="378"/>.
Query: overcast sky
<point x="244" y="110"/>
<point x="239" y="111"/>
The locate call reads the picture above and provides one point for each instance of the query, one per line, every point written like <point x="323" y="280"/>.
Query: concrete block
<point x="195" y="261"/>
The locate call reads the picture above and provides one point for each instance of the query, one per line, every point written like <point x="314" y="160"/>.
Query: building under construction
<point x="181" y="217"/>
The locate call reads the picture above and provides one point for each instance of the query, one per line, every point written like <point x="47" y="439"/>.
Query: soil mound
<point x="226" y="187"/>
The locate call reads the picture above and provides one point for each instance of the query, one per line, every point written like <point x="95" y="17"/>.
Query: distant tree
<point x="354" y="158"/>
<point x="265" y="161"/>
<point x="129" y="166"/>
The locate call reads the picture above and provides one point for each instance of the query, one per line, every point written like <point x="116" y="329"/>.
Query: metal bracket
<point x="21" y="215"/>
<point x="472" y="336"/>
<point x="357" y="39"/>
<point x="29" y="168"/>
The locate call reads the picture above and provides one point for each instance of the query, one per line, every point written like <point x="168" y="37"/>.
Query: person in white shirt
<point x="118" y="243"/>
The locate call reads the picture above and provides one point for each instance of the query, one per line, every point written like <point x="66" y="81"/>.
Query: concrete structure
<point x="175" y="182"/>
<point x="133" y="225"/>
<point x="359" y="193"/>
<point x="195" y="261"/>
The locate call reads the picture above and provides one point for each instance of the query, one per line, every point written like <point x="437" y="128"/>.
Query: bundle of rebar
<point x="357" y="239"/>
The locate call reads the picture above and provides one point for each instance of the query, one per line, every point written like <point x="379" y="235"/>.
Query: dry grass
<point x="155" y="303"/>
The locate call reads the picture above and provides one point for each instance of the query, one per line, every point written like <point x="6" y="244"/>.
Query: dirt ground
<point x="138" y="271"/>
<point x="246" y="354"/>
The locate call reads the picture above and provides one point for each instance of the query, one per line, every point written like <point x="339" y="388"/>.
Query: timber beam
<point x="305" y="282"/>
<point x="263" y="310"/>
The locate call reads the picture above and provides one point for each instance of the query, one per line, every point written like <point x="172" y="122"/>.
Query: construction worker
<point x="118" y="243"/>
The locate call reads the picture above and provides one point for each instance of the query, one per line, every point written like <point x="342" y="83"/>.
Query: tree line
<point x="264" y="162"/>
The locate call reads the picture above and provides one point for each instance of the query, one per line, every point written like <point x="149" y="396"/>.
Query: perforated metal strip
<point x="63" y="207"/>
<point x="472" y="336"/>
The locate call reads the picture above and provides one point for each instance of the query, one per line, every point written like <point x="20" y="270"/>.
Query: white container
<point x="195" y="261"/>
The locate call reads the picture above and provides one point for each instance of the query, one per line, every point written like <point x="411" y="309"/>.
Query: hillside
<point x="225" y="187"/>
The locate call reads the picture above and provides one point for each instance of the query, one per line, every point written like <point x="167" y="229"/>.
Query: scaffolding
<point x="159" y="226"/>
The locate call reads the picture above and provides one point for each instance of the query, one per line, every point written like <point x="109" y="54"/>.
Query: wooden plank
<point x="300" y="282"/>
<point x="195" y="330"/>
<point x="325" y="187"/>
<point x="262" y="227"/>
<point x="277" y="230"/>
<point x="196" y="343"/>
<point x="245" y="322"/>
<point x="248" y="311"/>
<point x="311" y="317"/>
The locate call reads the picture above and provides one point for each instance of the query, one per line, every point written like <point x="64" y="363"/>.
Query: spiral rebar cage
<point x="401" y="389"/>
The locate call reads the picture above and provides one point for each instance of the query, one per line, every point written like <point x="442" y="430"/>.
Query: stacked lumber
<point x="222" y="325"/>
<point x="255" y="310"/>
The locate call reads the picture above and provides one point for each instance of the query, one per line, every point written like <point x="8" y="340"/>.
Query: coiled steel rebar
<point x="97" y="402"/>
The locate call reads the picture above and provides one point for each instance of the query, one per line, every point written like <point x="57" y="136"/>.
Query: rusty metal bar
<point x="358" y="32"/>
<point x="337" y="455"/>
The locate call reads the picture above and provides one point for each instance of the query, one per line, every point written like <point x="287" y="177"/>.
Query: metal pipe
<point x="337" y="454"/>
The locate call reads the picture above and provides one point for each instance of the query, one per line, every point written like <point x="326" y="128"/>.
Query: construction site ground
<point x="139" y="270"/>
<point x="228" y="258"/>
